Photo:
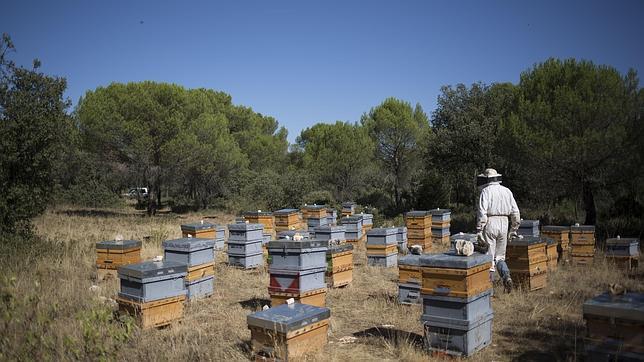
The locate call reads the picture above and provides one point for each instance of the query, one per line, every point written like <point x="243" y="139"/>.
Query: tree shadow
<point x="392" y="335"/>
<point x="96" y="213"/>
<point x="554" y="340"/>
<point x="254" y="304"/>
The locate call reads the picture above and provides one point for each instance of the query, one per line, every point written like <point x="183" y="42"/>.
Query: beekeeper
<point x="497" y="210"/>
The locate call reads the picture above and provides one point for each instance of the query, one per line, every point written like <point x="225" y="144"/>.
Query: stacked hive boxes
<point x="582" y="244"/>
<point x="526" y="258"/>
<point x="561" y="235"/>
<point x="288" y="331"/>
<point x="112" y="254"/>
<point x="441" y="219"/>
<point x="614" y="325"/>
<point x="245" y="245"/>
<point x="287" y="219"/>
<point x="419" y="228"/>
<point x="152" y="292"/>
<point x="331" y="216"/>
<point x="551" y="253"/>
<point x="314" y="215"/>
<point x="265" y="218"/>
<point x="199" y="257"/>
<point x="529" y="228"/>
<point x="382" y="247"/>
<point x="457" y="310"/>
<point x="339" y="255"/>
<point x="401" y="238"/>
<point x="348" y="208"/>
<point x="353" y="228"/>
<point x="624" y="252"/>
<point x="297" y="271"/>
<point x="409" y="279"/>
<point x="367" y="222"/>
<point x="205" y="230"/>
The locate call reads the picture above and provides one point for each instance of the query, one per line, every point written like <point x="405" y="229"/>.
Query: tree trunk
<point x="589" y="204"/>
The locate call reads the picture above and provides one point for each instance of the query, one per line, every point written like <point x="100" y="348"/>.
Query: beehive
<point x="297" y="266"/>
<point x="314" y="211"/>
<point x="152" y="280"/>
<point x="157" y="313"/>
<point x="441" y="218"/>
<point x="353" y="228"/>
<point x="561" y="235"/>
<point x="419" y="228"/>
<point x="461" y="339"/>
<point x="315" y="297"/>
<point x="529" y="228"/>
<point x="331" y="216"/>
<point x="582" y="244"/>
<point x="339" y="270"/>
<point x="205" y="230"/>
<point x="200" y="280"/>
<point x="287" y="219"/>
<point x="452" y="275"/>
<point x="288" y="332"/>
<point x="615" y="326"/>
<point x="189" y="251"/>
<point x="382" y="247"/>
<point x="245" y="245"/>
<point x="115" y="253"/>
<point x="329" y="232"/>
<point x="551" y="253"/>
<point x="348" y="208"/>
<point x="528" y="263"/>
<point x="367" y="222"/>
<point x="410" y="279"/>
<point x="265" y="218"/>
<point x="401" y="238"/>
<point x="623" y="252"/>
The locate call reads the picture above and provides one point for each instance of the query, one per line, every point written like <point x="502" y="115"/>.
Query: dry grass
<point x="49" y="312"/>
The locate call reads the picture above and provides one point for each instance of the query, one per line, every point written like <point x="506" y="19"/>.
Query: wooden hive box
<point x="314" y="211"/>
<point x="616" y="322"/>
<point x="157" y="313"/>
<point x="200" y="271"/>
<point x="626" y="263"/>
<point x="287" y="218"/>
<point x="452" y="275"/>
<point x="582" y="258"/>
<point x="552" y="254"/>
<point x="339" y="265"/>
<point x="313" y="297"/>
<point x="203" y="230"/>
<point x="582" y="234"/>
<point x="623" y="247"/>
<point x="289" y="332"/>
<point x="418" y="220"/>
<point x="114" y="253"/>
<point x="530" y="281"/>
<point x="561" y="234"/>
<point x="419" y="233"/>
<point x="409" y="271"/>
<point x="382" y="250"/>
<point x="441" y="218"/>
<point x="527" y="254"/>
<point x="265" y="218"/>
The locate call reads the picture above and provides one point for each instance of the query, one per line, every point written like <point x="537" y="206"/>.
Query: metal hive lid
<point x="118" y="244"/>
<point x="629" y="306"/>
<point x="339" y="248"/>
<point x="622" y="241"/>
<point x="555" y="228"/>
<point x="298" y="244"/>
<point x="149" y="269"/>
<point x="409" y="260"/>
<point x="258" y="213"/>
<point x="198" y="226"/>
<point x="327" y="229"/>
<point x="526" y="240"/>
<point x="286" y="211"/>
<point x="440" y="212"/>
<point x="288" y="317"/>
<point x="245" y="227"/>
<point x="382" y="232"/>
<point x="579" y="228"/>
<point x="451" y="260"/>
<point x="188" y="244"/>
<point x="314" y="207"/>
<point x="417" y="213"/>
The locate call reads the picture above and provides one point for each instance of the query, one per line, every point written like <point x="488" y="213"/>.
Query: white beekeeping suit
<point x="497" y="211"/>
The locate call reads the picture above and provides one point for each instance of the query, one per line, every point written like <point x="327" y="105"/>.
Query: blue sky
<point x="304" y="62"/>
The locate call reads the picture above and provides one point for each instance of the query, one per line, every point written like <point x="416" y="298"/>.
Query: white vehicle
<point x="138" y="192"/>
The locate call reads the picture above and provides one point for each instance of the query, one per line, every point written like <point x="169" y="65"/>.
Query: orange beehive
<point x="315" y="297"/>
<point x="114" y="253"/>
<point x="262" y="217"/>
<point x="152" y="314"/>
<point x="455" y="276"/>
<point x="528" y="263"/>
<point x="561" y="234"/>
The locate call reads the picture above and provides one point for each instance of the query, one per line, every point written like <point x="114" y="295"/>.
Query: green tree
<point x="33" y="129"/>
<point x="399" y="133"/>
<point x="579" y="127"/>
<point x="339" y="155"/>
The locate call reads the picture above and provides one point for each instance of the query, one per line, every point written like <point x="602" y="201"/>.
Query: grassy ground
<point x="49" y="309"/>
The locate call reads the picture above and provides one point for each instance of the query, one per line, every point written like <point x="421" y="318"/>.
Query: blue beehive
<point x="330" y="233"/>
<point x="246" y="261"/>
<point x="353" y="227"/>
<point x="387" y="261"/>
<point x="382" y="236"/>
<point x="367" y="219"/>
<point x="465" y="309"/>
<point x="529" y="228"/>
<point x="296" y="281"/>
<point x="440" y="232"/>
<point x="200" y="288"/>
<point x="297" y="254"/>
<point x="243" y="248"/>
<point x="401" y="238"/>
<point x="409" y="284"/>
<point x="441" y="215"/>
<point x="313" y="222"/>
<point x="623" y="247"/>
<point x="190" y="251"/>
<point x="457" y="337"/>
<point x="152" y="280"/>
<point x="245" y="232"/>
<point x="331" y="216"/>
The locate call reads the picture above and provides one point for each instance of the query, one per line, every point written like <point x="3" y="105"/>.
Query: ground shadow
<point x="391" y="298"/>
<point x="254" y="303"/>
<point x="554" y="340"/>
<point x="395" y="336"/>
<point x="96" y="213"/>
